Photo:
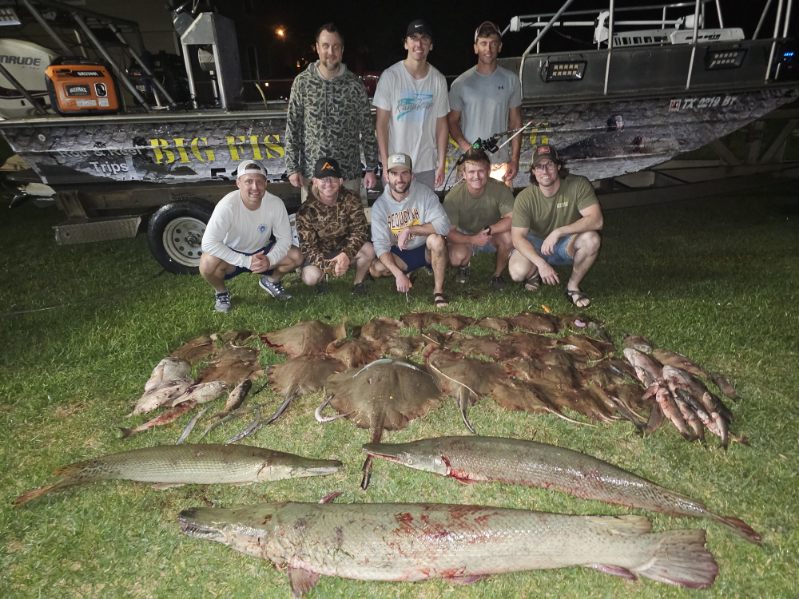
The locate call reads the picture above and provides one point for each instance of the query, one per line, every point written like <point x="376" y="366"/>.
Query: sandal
<point x="576" y="296"/>
<point x="440" y="300"/>
<point x="532" y="283"/>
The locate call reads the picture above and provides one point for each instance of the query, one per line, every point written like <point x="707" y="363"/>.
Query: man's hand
<point x="259" y="262"/>
<point x="439" y="176"/>
<point x="512" y="170"/>
<point x="548" y="245"/>
<point x="340" y="264"/>
<point x="482" y="238"/>
<point x="403" y="283"/>
<point x="402" y="238"/>
<point x="369" y="180"/>
<point x="548" y="274"/>
<point x="296" y="179"/>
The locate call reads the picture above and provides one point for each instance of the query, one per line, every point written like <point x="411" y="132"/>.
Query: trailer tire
<point x="174" y="234"/>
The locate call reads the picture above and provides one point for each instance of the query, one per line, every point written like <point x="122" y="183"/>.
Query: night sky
<point x="374" y="32"/>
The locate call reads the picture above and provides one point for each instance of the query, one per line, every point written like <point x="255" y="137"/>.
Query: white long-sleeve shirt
<point x="234" y="231"/>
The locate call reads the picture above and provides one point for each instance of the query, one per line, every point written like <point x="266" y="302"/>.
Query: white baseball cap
<point x="250" y="167"/>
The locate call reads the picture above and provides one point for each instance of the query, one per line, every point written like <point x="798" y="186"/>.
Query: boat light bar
<point x="564" y="70"/>
<point x="716" y="60"/>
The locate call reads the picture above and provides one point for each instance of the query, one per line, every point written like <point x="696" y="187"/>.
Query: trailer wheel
<point x="174" y="234"/>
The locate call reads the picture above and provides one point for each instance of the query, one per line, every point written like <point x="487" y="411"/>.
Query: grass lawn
<point x="81" y="328"/>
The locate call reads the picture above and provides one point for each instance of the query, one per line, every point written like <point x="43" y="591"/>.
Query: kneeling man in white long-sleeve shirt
<point x="238" y="237"/>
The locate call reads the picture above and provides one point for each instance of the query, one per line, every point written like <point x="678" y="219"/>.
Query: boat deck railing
<point x="679" y="23"/>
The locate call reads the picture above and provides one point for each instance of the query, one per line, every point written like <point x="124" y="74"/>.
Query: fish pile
<point x="170" y="386"/>
<point x="675" y="385"/>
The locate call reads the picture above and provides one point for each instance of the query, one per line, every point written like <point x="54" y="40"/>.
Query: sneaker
<point x="462" y="276"/>
<point x="322" y="287"/>
<point x="274" y="288"/>
<point x="222" y="303"/>
<point x="359" y="288"/>
<point x="496" y="283"/>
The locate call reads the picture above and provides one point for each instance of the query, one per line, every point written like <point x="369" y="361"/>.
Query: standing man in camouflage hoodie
<point x="329" y="115"/>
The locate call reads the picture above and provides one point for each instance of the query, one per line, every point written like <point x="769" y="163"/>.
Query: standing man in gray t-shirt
<point x="486" y="100"/>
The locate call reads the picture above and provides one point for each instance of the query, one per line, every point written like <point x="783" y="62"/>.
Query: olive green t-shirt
<point x="471" y="215"/>
<point x="542" y="215"/>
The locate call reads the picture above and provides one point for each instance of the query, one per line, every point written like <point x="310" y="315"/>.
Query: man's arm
<point x="381" y="130"/>
<point x="281" y="229"/>
<point x="293" y="139"/>
<point x="590" y="220"/>
<point x="213" y="239"/>
<point x="526" y="249"/>
<point x="514" y="122"/>
<point x="368" y="139"/>
<point x="455" y="131"/>
<point x="442" y="137"/>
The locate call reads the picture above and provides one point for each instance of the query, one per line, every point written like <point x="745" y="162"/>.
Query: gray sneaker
<point x="496" y="283"/>
<point x="462" y="275"/>
<point x="274" y="288"/>
<point x="222" y="303"/>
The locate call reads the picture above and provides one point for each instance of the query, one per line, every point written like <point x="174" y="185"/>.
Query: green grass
<point x="82" y="326"/>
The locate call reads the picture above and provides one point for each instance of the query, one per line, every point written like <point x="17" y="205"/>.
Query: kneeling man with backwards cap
<point x="408" y="229"/>
<point x="237" y="237"/>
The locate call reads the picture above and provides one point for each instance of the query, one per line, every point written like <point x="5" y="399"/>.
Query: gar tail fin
<point x="36" y="493"/>
<point x="740" y="527"/>
<point x="680" y="558"/>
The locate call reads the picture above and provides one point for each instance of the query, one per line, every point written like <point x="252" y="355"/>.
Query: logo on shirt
<point x="415" y="103"/>
<point x="402" y="220"/>
<point x="262" y="228"/>
<point x="562" y="204"/>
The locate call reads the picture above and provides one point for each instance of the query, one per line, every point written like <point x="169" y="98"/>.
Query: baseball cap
<point x="419" y="26"/>
<point x="326" y="167"/>
<point x="250" y="167"/>
<point x="545" y="152"/>
<point x="399" y="161"/>
<point x="487" y="29"/>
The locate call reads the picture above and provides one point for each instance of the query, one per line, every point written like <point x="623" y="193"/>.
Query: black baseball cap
<point x="419" y="26"/>
<point x="326" y="167"/>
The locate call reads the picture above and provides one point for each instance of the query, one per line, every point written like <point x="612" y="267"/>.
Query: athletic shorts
<point x="241" y="269"/>
<point x="413" y="258"/>
<point x="560" y="257"/>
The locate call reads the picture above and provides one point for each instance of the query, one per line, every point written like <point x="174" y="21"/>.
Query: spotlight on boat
<point x="564" y="70"/>
<point x="716" y="60"/>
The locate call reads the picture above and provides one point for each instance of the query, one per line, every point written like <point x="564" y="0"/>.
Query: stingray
<point x="535" y="322"/>
<point x="307" y="337"/>
<point x="195" y="349"/>
<point x="353" y="353"/>
<point x="379" y="329"/>
<point x="466" y="379"/>
<point x="592" y="349"/>
<point x="520" y="344"/>
<point x="422" y="320"/>
<point x="480" y="345"/>
<point x="495" y="323"/>
<point x="401" y="346"/>
<point x="232" y="365"/>
<point x="383" y="395"/>
<point x="292" y="378"/>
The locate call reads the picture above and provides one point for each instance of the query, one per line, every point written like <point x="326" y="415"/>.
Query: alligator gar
<point x="460" y="543"/>
<point x="174" y="465"/>
<point x="496" y="459"/>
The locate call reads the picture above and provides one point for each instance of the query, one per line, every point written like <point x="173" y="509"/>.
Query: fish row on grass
<point x="172" y="465"/>
<point x="533" y="464"/>
<point x="681" y="397"/>
<point x="457" y="543"/>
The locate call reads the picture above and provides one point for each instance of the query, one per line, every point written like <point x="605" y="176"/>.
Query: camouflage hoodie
<point x="331" y="118"/>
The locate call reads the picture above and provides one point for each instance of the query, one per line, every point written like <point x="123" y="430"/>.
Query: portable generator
<point x="77" y="88"/>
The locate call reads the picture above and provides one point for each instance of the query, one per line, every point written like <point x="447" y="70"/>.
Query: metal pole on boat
<point x="44" y="25"/>
<point x="777" y="21"/>
<point x="693" y="45"/>
<point x="611" y="20"/>
<point x="761" y="20"/>
<point x="537" y="39"/>
<point x="788" y="11"/>
<point x="119" y="73"/>
<point x="143" y="66"/>
<point x="18" y="86"/>
<point x="718" y="12"/>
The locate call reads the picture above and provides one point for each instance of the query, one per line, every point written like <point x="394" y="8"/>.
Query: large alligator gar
<point x="461" y="543"/>
<point x="173" y="465"/>
<point x="496" y="459"/>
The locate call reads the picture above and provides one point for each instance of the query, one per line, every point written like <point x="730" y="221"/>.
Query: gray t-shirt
<point x="484" y="102"/>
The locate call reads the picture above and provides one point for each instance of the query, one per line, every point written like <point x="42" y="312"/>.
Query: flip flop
<point x="532" y="283"/>
<point x="440" y="300"/>
<point x="575" y="296"/>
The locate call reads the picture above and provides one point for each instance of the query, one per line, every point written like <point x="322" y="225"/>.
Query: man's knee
<point x="588" y="242"/>
<point x="211" y="266"/>
<point x="436" y="243"/>
<point x="311" y="275"/>
<point x="459" y="254"/>
<point x="519" y="267"/>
